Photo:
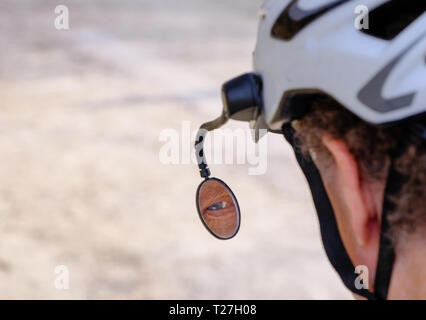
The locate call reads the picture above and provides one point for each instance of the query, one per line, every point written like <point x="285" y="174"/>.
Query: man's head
<point x="367" y="181"/>
<point x="353" y="159"/>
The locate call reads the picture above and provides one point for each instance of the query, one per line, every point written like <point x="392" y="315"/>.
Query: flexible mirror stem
<point x="199" y="143"/>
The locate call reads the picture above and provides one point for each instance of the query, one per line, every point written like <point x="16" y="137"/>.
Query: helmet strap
<point x="386" y="255"/>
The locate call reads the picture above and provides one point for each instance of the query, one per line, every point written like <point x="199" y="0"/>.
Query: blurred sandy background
<point x="81" y="183"/>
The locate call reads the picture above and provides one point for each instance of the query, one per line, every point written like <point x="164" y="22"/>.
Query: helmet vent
<point x="294" y="19"/>
<point x="391" y="18"/>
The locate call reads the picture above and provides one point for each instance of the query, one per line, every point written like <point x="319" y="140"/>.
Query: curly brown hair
<point x="371" y="146"/>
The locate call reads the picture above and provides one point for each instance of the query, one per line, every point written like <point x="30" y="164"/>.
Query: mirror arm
<point x="199" y="143"/>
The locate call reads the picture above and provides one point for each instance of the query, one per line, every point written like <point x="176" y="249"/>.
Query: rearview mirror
<point x="218" y="208"/>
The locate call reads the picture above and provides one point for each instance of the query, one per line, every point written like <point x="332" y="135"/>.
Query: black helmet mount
<point x="242" y="101"/>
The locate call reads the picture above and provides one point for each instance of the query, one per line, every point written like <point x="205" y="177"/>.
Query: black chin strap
<point x="386" y="256"/>
<point x="385" y="261"/>
<point x="330" y="235"/>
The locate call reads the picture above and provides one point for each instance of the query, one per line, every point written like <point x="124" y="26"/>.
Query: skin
<point x="357" y="202"/>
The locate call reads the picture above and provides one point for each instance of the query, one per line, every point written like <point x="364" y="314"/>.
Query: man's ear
<point x="355" y="190"/>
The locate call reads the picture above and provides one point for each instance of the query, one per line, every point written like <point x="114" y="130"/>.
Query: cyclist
<point x="352" y="104"/>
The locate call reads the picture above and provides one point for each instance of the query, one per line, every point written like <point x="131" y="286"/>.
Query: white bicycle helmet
<point x="312" y="46"/>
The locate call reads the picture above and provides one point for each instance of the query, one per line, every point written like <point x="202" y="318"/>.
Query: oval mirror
<point x="218" y="208"/>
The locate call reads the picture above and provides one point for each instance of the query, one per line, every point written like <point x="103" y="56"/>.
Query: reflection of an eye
<point x="218" y="205"/>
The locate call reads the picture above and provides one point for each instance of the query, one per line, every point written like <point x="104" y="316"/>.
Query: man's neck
<point x="409" y="272"/>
